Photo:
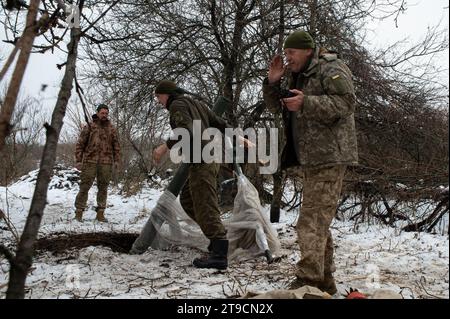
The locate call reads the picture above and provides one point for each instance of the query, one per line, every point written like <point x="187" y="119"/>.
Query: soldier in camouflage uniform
<point x="199" y="194"/>
<point x="320" y="139"/>
<point x="96" y="151"/>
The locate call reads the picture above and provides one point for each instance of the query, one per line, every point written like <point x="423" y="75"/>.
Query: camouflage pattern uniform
<point x="97" y="148"/>
<point x="321" y="140"/>
<point x="199" y="195"/>
<point x="199" y="199"/>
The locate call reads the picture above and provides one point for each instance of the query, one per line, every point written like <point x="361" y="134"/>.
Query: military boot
<point x="101" y="216"/>
<point x="217" y="258"/>
<point x="328" y="285"/>
<point x="79" y="215"/>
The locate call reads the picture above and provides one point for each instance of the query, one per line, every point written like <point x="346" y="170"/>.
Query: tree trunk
<point x="279" y="176"/>
<point x="25" y="251"/>
<point x="313" y="5"/>
<point x="25" y="43"/>
<point x="281" y="29"/>
<point x="278" y="179"/>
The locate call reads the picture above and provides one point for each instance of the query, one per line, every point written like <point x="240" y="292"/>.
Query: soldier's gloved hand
<point x="78" y="165"/>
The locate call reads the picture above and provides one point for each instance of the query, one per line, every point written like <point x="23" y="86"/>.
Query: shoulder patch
<point x="338" y="84"/>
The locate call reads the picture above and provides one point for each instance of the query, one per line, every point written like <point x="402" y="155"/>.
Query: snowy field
<point x="368" y="257"/>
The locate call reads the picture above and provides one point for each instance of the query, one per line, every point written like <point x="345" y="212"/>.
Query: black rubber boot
<point x="217" y="258"/>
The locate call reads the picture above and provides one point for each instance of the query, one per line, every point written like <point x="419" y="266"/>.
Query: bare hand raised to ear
<point x="276" y="69"/>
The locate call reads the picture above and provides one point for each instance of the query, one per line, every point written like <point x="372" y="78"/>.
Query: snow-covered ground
<point x="367" y="257"/>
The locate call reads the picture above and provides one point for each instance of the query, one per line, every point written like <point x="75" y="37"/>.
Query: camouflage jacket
<point x="322" y="133"/>
<point x="98" y="143"/>
<point x="184" y="110"/>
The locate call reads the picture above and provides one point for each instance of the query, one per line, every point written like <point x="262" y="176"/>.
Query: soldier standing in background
<point x="96" y="151"/>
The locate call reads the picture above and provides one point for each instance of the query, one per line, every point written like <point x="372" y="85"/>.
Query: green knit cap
<point x="166" y="87"/>
<point x="102" y="106"/>
<point x="299" y="40"/>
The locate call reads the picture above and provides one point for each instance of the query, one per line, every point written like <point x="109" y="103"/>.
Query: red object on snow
<point x="355" y="294"/>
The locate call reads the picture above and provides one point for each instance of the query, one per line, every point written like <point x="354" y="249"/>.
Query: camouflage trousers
<point x="89" y="172"/>
<point x="321" y="193"/>
<point x="199" y="199"/>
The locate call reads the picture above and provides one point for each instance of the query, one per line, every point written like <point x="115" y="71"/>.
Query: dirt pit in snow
<point x="61" y="243"/>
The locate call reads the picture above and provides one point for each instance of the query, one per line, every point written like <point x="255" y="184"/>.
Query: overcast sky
<point x="414" y="23"/>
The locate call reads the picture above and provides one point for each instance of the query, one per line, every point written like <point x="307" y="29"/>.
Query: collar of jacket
<point x="313" y="65"/>
<point x="172" y="97"/>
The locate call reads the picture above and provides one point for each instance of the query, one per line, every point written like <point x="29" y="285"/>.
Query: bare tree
<point x="24" y="255"/>
<point x="22" y="261"/>
<point x="25" y="44"/>
<point x="23" y="144"/>
<point x="216" y="47"/>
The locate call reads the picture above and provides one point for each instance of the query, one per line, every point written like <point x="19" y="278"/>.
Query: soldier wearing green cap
<point x="318" y="117"/>
<point x="96" y="151"/>
<point x="199" y="194"/>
